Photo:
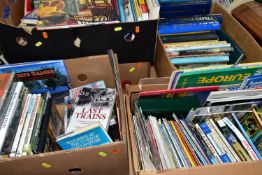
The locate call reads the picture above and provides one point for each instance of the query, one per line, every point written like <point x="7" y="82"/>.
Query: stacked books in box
<point x="193" y="42"/>
<point x="201" y="124"/>
<point x="31" y="121"/>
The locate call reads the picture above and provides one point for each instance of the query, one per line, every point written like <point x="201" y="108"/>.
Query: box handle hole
<point x="82" y="77"/>
<point x="75" y="170"/>
<point x="129" y="37"/>
<point x="21" y="41"/>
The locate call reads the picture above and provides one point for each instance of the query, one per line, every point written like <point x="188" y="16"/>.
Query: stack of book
<point x="192" y="42"/>
<point x="54" y="14"/>
<point x="200" y="124"/>
<point x="171" y="9"/>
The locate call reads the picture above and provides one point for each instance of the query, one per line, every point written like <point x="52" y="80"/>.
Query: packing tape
<point x="132" y="69"/>
<point x="117" y="29"/>
<point x="103" y="154"/>
<point x="38" y="44"/>
<point x="46" y="165"/>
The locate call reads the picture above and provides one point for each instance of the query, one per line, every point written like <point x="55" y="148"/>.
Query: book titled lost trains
<point x="41" y="76"/>
<point x="67" y="13"/>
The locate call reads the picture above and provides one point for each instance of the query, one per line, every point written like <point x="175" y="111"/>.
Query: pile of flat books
<point x="55" y="14"/>
<point x="193" y="42"/>
<point x="203" y="124"/>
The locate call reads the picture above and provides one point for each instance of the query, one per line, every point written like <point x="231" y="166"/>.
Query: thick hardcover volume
<point x="5" y="83"/>
<point x="246" y="136"/>
<point x="223" y="155"/>
<point x="20" y="126"/>
<point x="249" y="15"/>
<point x="90" y="135"/>
<point x="201" y="36"/>
<point x="168" y="29"/>
<point x="42" y="76"/>
<point x="200" y="59"/>
<point x="10" y="112"/>
<point x="243" y="140"/>
<point x="93" y="105"/>
<point x="66" y="13"/>
<point x="44" y="127"/>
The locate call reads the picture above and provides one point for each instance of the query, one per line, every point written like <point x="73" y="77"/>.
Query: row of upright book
<point x="40" y="112"/>
<point x="196" y="124"/>
<point x="53" y="14"/>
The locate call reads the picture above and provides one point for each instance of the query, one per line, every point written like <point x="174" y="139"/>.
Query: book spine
<point x="246" y="136"/>
<point x="210" y="135"/>
<point x="224" y="140"/>
<point x="20" y="126"/>
<point x="194" y="19"/>
<point x="203" y="59"/>
<point x="220" y="142"/>
<point x="133" y="8"/>
<point x="121" y="11"/>
<point x="10" y="113"/>
<point x="26" y="124"/>
<point x="241" y="138"/>
<point x="27" y="149"/>
<point x="188" y="27"/>
<point x="138" y="10"/>
<point x="6" y="90"/>
<point x="144" y="9"/>
<point x="207" y="142"/>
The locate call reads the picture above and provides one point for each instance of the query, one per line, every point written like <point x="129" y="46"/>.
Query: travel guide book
<point x="93" y="105"/>
<point x="42" y="76"/>
<point x="73" y="13"/>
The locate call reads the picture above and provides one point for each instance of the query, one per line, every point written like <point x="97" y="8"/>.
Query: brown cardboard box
<point x="113" y="159"/>
<point x="241" y="168"/>
<point x="231" y="27"/>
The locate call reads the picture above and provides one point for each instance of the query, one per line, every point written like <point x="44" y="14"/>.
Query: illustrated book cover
<point x="42" y="76"/>
<point x="93" y="105"/>
<point x="90" y="135"/>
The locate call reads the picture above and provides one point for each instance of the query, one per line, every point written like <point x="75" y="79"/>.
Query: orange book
<point x="183" y="142"/>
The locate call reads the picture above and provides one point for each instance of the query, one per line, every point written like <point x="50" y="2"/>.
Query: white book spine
<point x="26" y="148"/>
<point x="10" y="113"/>
<point x="220" y="142"/>
<point x="26" y="124"/>
<point x="212" y="149"/>
<point x="225" y="141"/>
<point x="241" y="138"/>
<point x="20" y="126"/>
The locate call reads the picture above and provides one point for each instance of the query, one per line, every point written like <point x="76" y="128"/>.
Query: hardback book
<point x="93" y="105"/>
<point x="92" y="134"/>
<point x="5" y="84"/>
<point x="73" y="13"/>
<point x="41" y="76"/>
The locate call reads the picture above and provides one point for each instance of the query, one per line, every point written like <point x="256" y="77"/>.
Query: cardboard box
<point x="240" y="168"/>
<point x="74" y="42"/>
<point x="231" y="27"/>
<point x="100" y="160"/>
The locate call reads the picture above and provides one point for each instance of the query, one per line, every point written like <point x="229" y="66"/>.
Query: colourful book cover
<point x="93" y="105"/>
<point x="42" y="76"/>
<point x="225" y="75"/>
<point x="252" y="82"/>
<point x="55" y="13"/>
<point x="90" y="135"/>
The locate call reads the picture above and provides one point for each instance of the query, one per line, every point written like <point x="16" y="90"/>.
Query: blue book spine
<point x="195" y="60"/>
<point x="252" y="82"/>
<point x="92" y="137"/>
<point x="193" y="19"/>
<point x="133" y="7"/>
<point x="222" y="154"/>
<point x="246" y="136"/>
<point x="166" y="29"/>
<point x="121" y="11"/>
